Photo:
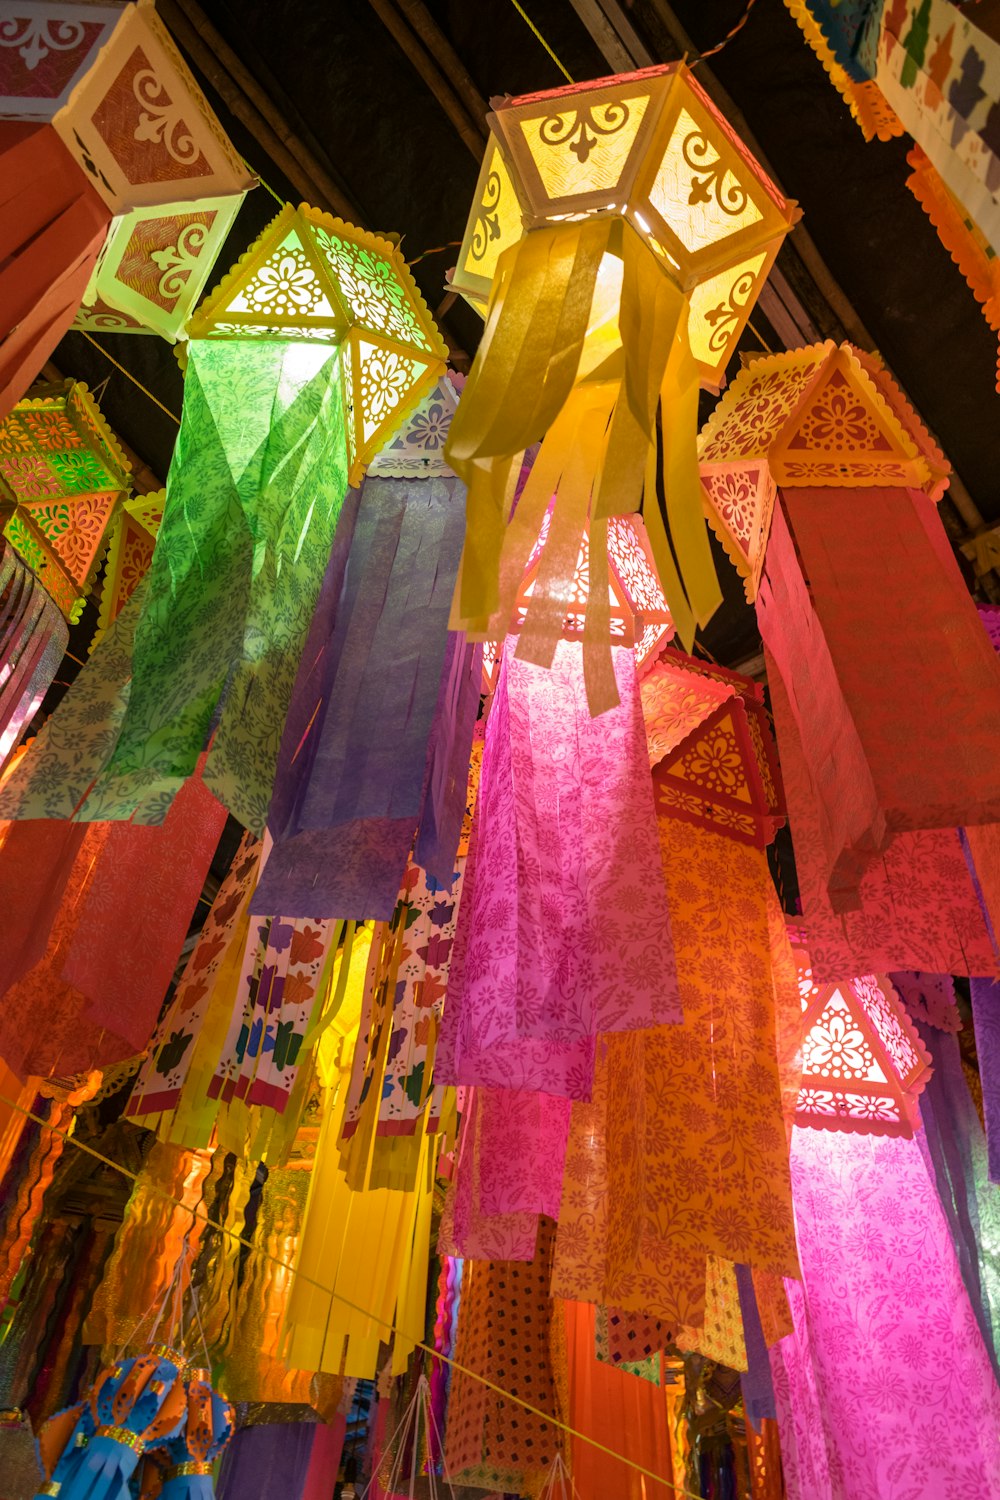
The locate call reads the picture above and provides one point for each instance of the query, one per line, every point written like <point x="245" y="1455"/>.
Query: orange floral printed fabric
<point x="694" y="1160"/>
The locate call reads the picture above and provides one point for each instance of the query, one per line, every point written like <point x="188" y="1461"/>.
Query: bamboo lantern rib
<point x="471" y="131"/>
<point x="447" y="58"/>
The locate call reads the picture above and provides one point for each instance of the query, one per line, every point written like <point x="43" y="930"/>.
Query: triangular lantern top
<point x="824" y="417"/>
<point x="863" y="1065"/>
<point x="312" y="278"/>
<point x="710" y="747"/>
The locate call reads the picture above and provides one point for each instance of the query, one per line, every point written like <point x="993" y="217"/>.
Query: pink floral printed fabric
<point x="564" y="928"/>
<point x="885" y="1388"/>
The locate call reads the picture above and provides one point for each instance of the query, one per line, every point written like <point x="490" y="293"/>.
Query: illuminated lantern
<point x="637" y="610"/>
<point x="300" y="365"/>
<point x="868" y="650"/>
<point x="863" y="1064"/>
<point x="62" y="468"/>
<point x="130" y="551"/>
<point x="621" y="233"/>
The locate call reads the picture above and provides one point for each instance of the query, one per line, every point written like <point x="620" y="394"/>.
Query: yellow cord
<point x="530" y="23"/>
<point x="129" y="376"/>
<point x="336" y="1296"/>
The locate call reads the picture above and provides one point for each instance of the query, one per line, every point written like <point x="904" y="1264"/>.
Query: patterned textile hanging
<point x="505" y="1331"/>
<point x="640" y="1213"/>
<point x="76" y="892"/>
<point x="880" y="1277"/>
<point x="33" y="640"/>
<point x="563" y="891"/>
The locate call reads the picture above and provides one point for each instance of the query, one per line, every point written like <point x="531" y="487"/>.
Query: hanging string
<point x="263" y="182"/>
<point x="436" y="250"/>
<point x="292" y="1270"/>
<point x="733" y="31"/>
<point x="129" y="376"/>
<point x="532" y="27"/>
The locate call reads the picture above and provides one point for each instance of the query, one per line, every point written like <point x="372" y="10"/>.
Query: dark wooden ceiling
<point x="353" y="100"/>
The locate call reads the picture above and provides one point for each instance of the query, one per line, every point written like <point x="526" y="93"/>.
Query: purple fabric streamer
<point x="986" y="1023"/>
<point x="343" y="822"/>
<point x="950" y="1122"/>
<point x="264" y="1462"/>
<point x="450" y="748"/>
<point x="755" y="1381"/>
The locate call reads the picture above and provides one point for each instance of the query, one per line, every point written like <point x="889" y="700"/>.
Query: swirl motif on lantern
<point x="160" y="119"/>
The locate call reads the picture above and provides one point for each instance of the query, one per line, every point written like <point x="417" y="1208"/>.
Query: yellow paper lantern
<point x="619" y="237"/>
<point x="312" y="278"/>
<point x="652" y="149"/>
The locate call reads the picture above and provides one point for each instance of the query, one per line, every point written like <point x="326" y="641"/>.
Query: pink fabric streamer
<point x="892" y="681"/>
<point x="563" y="929"/>
<point x="919" y="908"/>
<point x="885" y="1387"/>
<point x="510" y="1169"/>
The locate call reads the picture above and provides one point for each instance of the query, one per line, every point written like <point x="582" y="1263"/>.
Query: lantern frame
<point x="680" y="142"/>
<point x="310" y="277"/>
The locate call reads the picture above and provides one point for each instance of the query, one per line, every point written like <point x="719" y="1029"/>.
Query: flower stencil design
<point x="288" y="287"/>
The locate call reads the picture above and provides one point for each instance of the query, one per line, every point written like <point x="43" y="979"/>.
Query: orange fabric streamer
<point x="615" y="1408"/>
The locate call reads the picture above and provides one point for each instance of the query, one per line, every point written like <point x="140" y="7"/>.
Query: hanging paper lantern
<point x="313" y="279"/>
<point x="134" y="127"/>
<point x="301" y="363"/>
<point x="140" y="126"/>
<point x="134" y="1404"/>
<point x="867" y="651"/>
<point x="647" y="232"/>
<point x="52" y="227"/>
<point x="33" y="639"/>
<point x="130" y="552"/>
<point x="637" y="609"/>
<point x="190" y="1456"/>
<point x="376" y="745"/>
<point x="62" y="468"/>
<point x="863" y="1064"/>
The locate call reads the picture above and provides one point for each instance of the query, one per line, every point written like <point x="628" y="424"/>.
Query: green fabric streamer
<point x="254" y="494"/>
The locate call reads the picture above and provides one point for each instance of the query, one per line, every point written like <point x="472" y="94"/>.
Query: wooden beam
<point x="471" y="131"/>
<point x="248" y="103"/>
